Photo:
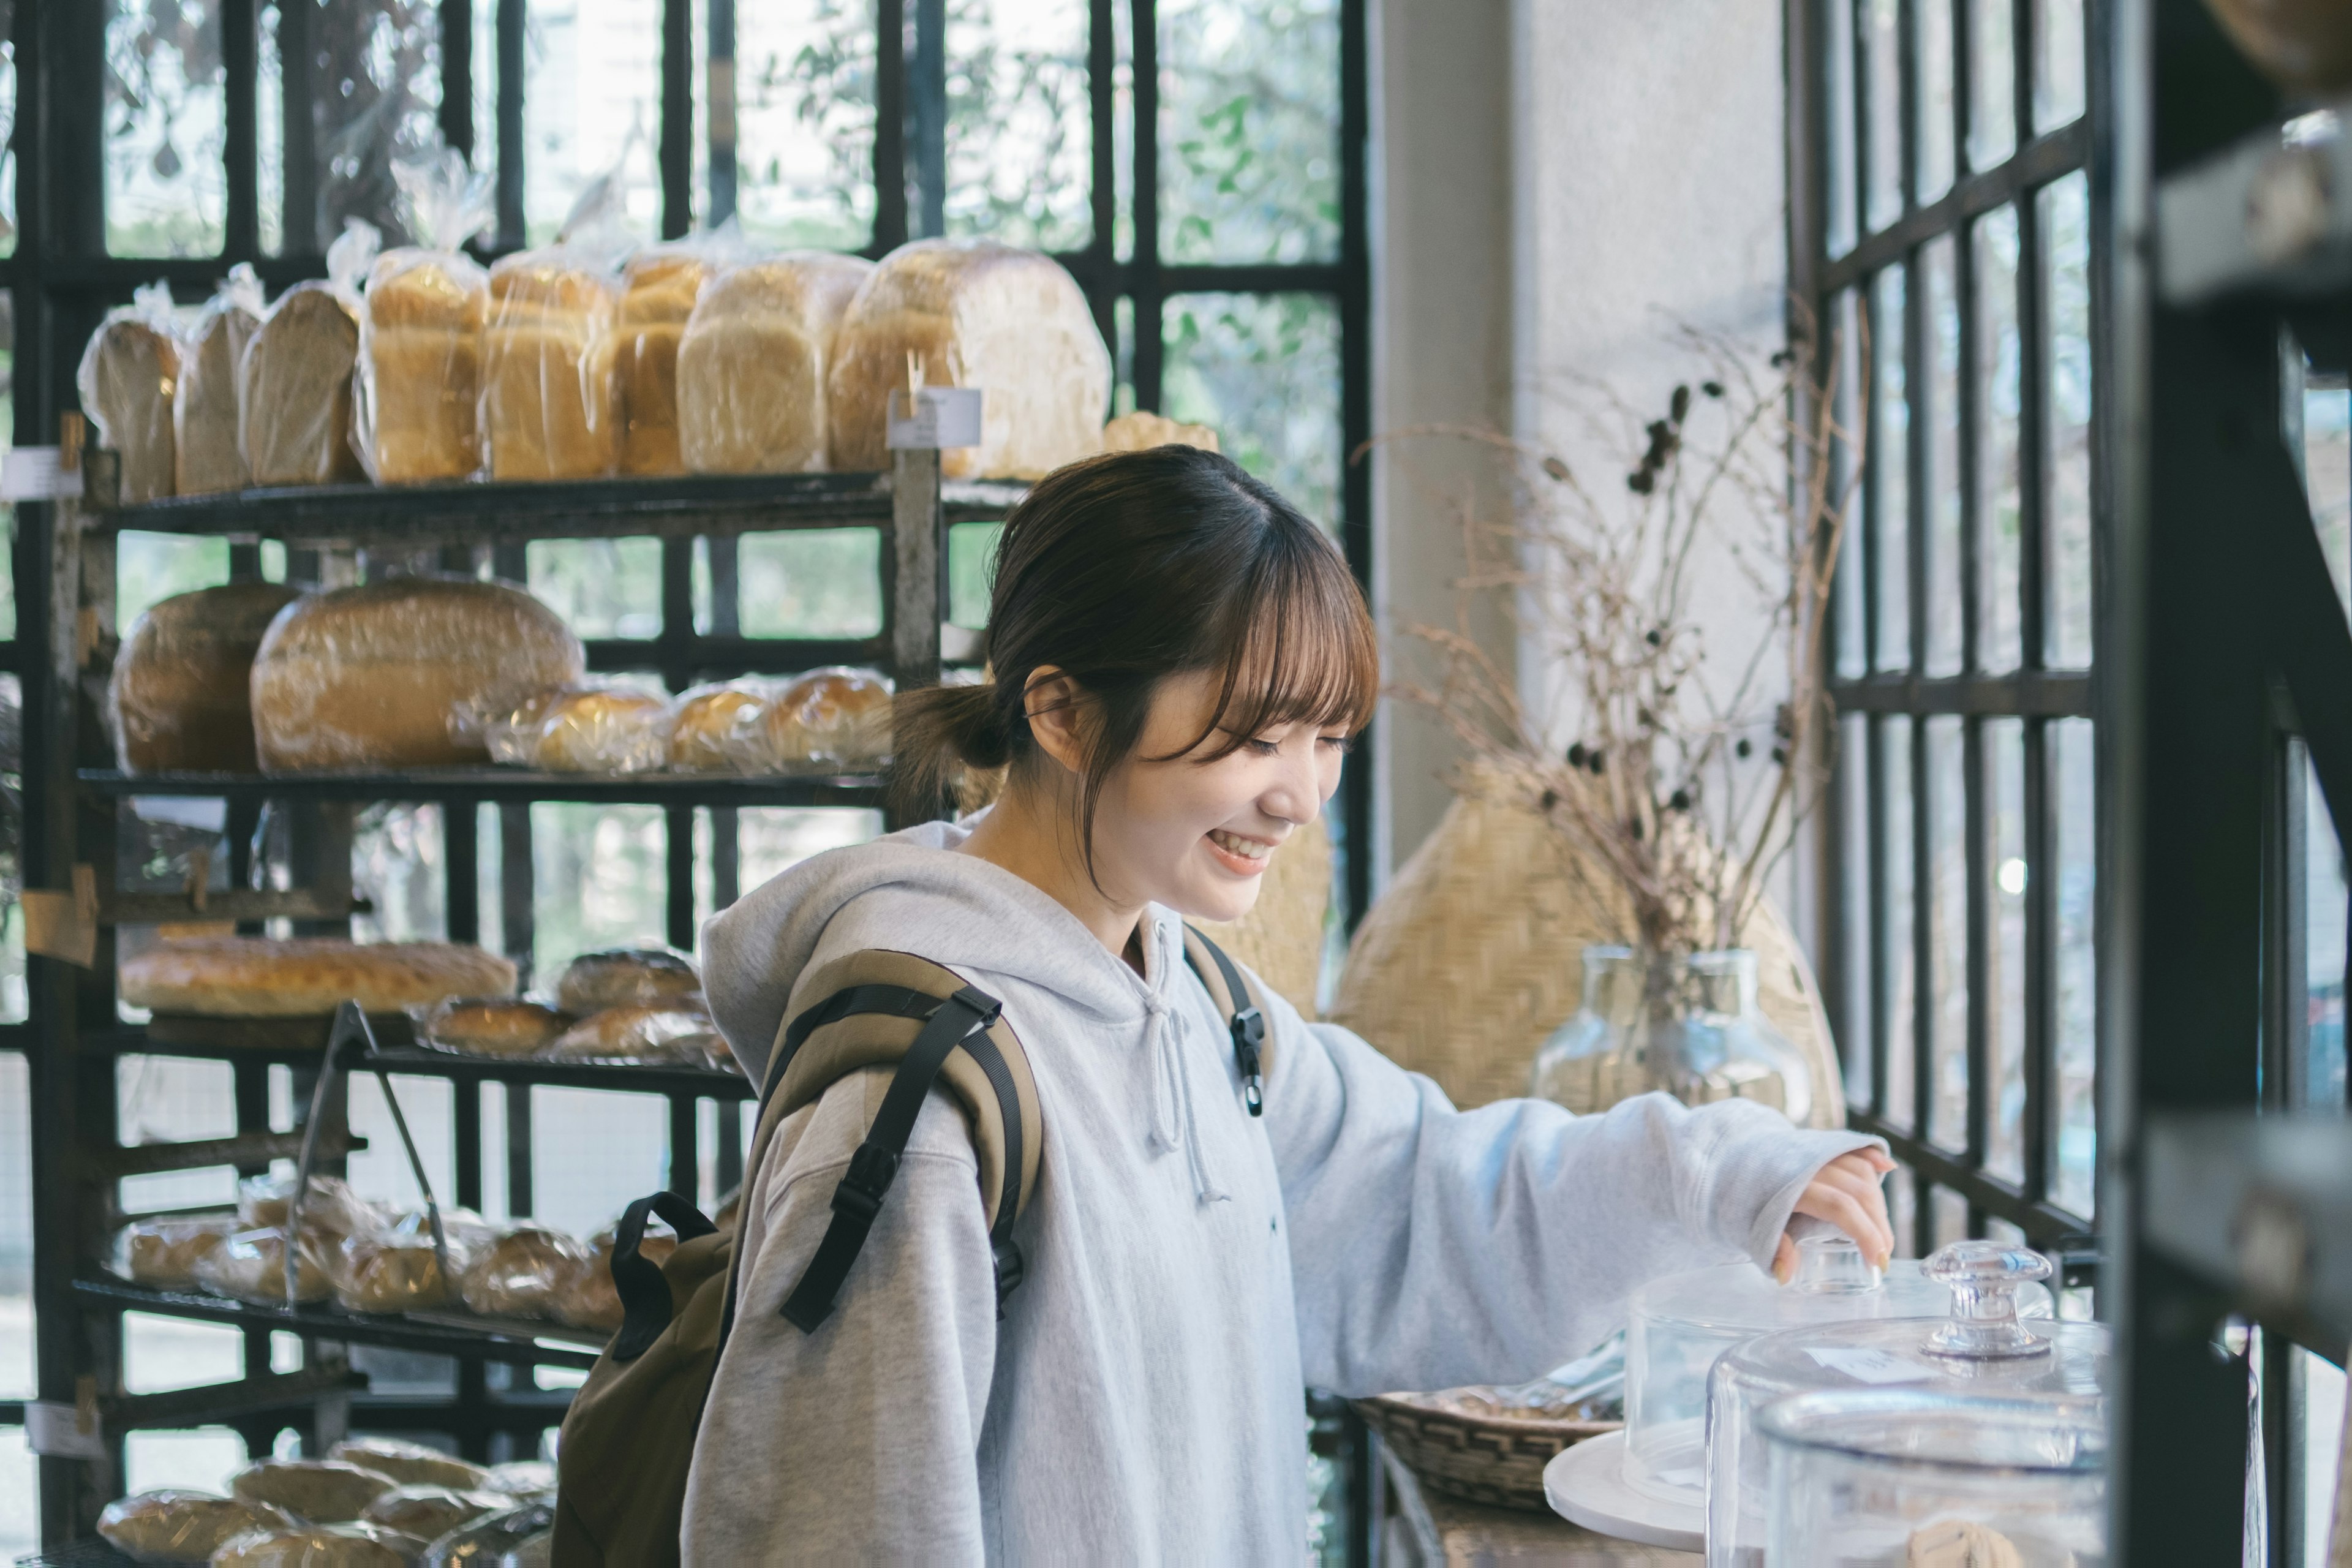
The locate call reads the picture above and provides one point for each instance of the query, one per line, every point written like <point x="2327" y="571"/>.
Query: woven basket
<point x="1281" y="938"/>
<point x="1494" y="1460"/>
<point x="1472" y="956"/>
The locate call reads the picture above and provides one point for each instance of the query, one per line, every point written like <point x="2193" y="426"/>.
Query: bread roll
<point x="672" y="1033"/>
<point x="302" y="977"/>
<point x="658" y="296"/>
<point x="370" y="677"/>
<point x="176" y="1525"/>
<point x="833" y="718"/>
<point x="977" y="313"/>
<point x="163" y="1252"/>
<point x="607" y="730"/>
<point x="410" y="1464"/>
<point x="250" y="1265"/>
<point x="524" y="1274"/>
<point x="428" y="1512"/>
<point x="712" y="729"/>
<point x="490" y="1025"/>
<point x="1143" y="430"/>
<point x="350" y="1545"/>
<point x="181" y="696"/>
<point x="417" y="399"/>
<point x="206" y="454"/>
<point x="550" y="382"/>
<point x="295" y="417"/>
<point x="595" y="980"/>
<point x="129" y="376"/>
<point x="752" y="363"/>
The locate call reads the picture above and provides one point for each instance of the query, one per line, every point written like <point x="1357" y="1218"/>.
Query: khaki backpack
<point x="629" y="1438"/>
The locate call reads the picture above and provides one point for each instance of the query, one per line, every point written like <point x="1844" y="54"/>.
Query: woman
<point x="1178" y="659"/>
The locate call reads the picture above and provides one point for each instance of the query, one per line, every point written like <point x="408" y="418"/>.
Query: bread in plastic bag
<point x="675" y="1033"/>
<point x="410" y="1464"/>
<point x="522" y="1478"/>
<point x="394" y="1267"/>
<point x="304" y="976"/>
<point x="509" y="732"/>
<point x="163" y="1251"/>
<point x="752" y="363"/>
<point x="550" y="377"/>
<point x="594" y="1301"/>
<point x="294" y="397"/>
<point x="207" y="457"/>
<point x="604" y="728"/>
<point x="130" y="374"/>
<point x="658" y="290"/>
<point x="343" y="1545"/>
<point x="485" y="1543"/>
<point x="488" y="1026"/>
<point x="595" y="980"/>
<point x="370" y="677"/>
<point x="175" y="1524"/>
<point x="324" y="1491"/>
<point x="972" y="312"/>
<point x="523" y="1274"/>
<point x="428" y="1512"/>
<point x="250" y="1265"/>
<point x="328" y="1209"/>
<point x="1143" y="430"/>
<point x="833" y="718"/>
<point x="181" y="696"/>
<point x="416" y="392"/>
<point x="714" y="728"/>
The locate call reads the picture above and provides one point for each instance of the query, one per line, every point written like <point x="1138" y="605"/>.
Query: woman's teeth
<point x="1247" y="848"/>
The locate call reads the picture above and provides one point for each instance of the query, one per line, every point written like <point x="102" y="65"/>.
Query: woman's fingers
<point x="1861" y="1184"/>
<point x="1825" y="1201"/>
<point x="1784" y="1260"/>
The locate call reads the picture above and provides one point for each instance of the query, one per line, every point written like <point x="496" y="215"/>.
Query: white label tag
<point x="942" y="416"/>
<point x="1872" y="1366"/>
<point x="31" y="473"/>
<point x="57" y="1431"/>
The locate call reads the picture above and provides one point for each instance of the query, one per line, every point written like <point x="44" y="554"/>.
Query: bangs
<point x="1299" y="648"/>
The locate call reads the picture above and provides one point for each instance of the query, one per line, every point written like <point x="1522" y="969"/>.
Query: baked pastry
<point x="415" y="400"/>
<point x="410" y="1464"/>
<point x="295" y="402"/>
<point x="129" y="375"/>
<point x="206" y="453"/>
<point x="674" y="1031"/>
<point x="974" y="313"/>
<point x="174" y="1524"/>
<point x="369" y="677"/>
<point x="657" y="293"/>
<point x="259" y="977"/>
<point x="348" y="1545"/>
<point x="524" y="1274"/>
<point x="488" y="1025"/>
<point x="181" y="696"/>
<point x="595" y="1300"/>
<point x="1143" y="430"/>
<point x="752" y="366"/>
<point x="429" y="1513"/>
<point x="550" y="382"/>
<point x="324" y="1491"/>
<point x="712" y="729"/>
<point x="163" y="1252"/>
<point x="831" y="717"/>
<point x="595" y="980"/>
<point x="604" y="730"/>
<point x="250" y="1265"/>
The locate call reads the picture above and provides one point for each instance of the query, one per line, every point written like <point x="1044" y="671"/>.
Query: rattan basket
<point x="1494" y="1459"/>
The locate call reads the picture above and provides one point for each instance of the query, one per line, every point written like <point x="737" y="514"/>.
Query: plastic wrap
<point x="602" y="729"/>
<point x="972" y="312"/>
<point x="331" y="1208"/>
<point x="676" y="1033"/>
<point x="129" y="376"/>
<point x="250" y="1265"/>
<point x="714" y="729"/>
<point x="550" y="382"/>
<point x="416" y="391"/>
<point x="524" y="1274"/>
<point x="522" y="1478"/>
<point x="1143" y="430"/>
<point x="345" y="1545"/>
<point x="534" y="1551"/>
<point x="658" y="294"/>
<point x="370" y="677"/>
<point x="595" y="1302"/>
<point x="488" y="1026"/>
<point x="508" y="733"/>
<point x="410" y="1464"/>
<point x="324" y="1491"/>
<point x="429" y="1513"/>
<point x="752" y="362"/>
<point x="595" y="980"/>
<point x="206" y="454"/>
<point x="305" y="977"/>
<point x="163" y="1252"/>
<point x="181" y="696"/>
<point x="485" y="1543"/>
<point x="836" y="718"/>
<point x="394" y="1267"/>
<point x="174" y="1524"/>
<point x="294" y="397"/>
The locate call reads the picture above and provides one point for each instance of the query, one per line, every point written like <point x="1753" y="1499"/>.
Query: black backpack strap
<point x="1242" y="1016"/>
<point x="857" y="1200"/>
<point x="645" y="1293"/>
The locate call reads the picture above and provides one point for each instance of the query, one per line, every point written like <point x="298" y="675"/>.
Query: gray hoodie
<point x="1190" y="1268"/>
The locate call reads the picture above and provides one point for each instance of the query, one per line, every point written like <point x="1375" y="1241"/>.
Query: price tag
<point x="940" y="417"/>
<point x="34" y="473"/>
<point x="1872" y="1366"/>
<point x="63" y="1431"/>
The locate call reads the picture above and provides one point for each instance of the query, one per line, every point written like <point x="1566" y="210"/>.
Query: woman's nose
<point x="1297" y="795"/>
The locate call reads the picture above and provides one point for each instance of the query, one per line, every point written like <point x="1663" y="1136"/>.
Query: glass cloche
<point x="1989" y="1346"/>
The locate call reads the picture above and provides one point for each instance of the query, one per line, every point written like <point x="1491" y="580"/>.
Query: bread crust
<point x="181" y="694"/>
<point x="259" y="977"/>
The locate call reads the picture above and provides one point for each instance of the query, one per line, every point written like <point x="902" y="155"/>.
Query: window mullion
<point x="1144" y="270"/>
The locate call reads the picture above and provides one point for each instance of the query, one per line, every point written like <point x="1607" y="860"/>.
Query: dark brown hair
<point x="1125" y="569"/>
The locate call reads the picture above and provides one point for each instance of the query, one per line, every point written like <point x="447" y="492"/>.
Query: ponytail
<point x="940" y="736"/>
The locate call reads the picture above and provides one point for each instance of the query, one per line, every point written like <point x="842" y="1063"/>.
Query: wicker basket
<point x="1494" y="1460"/>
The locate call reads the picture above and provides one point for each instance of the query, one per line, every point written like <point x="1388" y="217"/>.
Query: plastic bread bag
<point x="410" y="1464"/>
<point x="128" y="378"/>
<point x="677" y="1032"/>
<point x="551" y="375"/>
<point x="503" y="725"/>
<point x="162" y="1252"/>
<point x="752" y="361"/>
<point x="659" y="288"/>
<point x="716" y="728"/>
<point x="207" y="457"/>
<point x="603" y="728"/>
<point x="331" y="1208"/>
<point x="833" y="718"/>
<point x="428" y="1512"/>
<point x="173" y="1524"/>
<point x="595" y="980"/>
<point x="488" y="1026"/>
<point x="394" y="1267"/>
<point x="350" y="1545"/>
<point x="294" y="397"/>
<point x="416" y="391"/>
<point x="523" y="1274"/>
<point x="324" y="1491"/>
<point x="250" y="1265"/>
<point x="485" y="1543"/>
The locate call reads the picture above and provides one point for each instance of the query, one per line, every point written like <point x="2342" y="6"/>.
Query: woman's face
<point x="1198" y="836"/>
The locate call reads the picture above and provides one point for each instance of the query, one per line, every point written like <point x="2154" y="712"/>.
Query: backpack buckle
<point x="1010" y="1269"/>
<point x="866" y="1181"/>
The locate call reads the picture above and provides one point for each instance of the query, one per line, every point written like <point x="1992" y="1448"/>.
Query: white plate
<point x="1585" y="1485"/>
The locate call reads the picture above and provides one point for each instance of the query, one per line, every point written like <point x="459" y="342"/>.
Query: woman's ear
<point x="1053" y="700"/>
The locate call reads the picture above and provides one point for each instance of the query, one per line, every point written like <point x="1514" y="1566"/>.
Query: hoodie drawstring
<point x="1174" y="1119"/>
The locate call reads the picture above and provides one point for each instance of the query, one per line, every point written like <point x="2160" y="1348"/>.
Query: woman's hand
<point x="1845" y="1193"/>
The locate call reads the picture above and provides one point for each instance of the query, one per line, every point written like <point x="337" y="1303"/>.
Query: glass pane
<point x="2004" y="744"/>
<point x="8" y="439"/>
<point x="2066" y="246"/>
<point x="1945" y="609"/>
<point x="2076" y="1177"/>
<point x="1853" y="839"/>
<point x="1947" y="1123"/>
<point x="1122" y="134"/>
<point x="161" y="1354"/>
<point x="773" y="839"/>
<point x="599" y="880"/>
<point x="1889" y="492"/>
<point x="601" y="587"/>
<point x="803" y="96"/>
<point x="204" y="1457"/>
<point x="377" y="92"/>
<point x="269" y="115"/>
<point x="971" y="571"/>
<point x="1249" y="131"/>
<point x="613" y="1150"/>
<point x="1853" y="630"/>
<point x="1899" y="969"/>
<point x="8" y="135"/>
<point x="2058" y="63"/>
<point x="2328" y="478"/>
<point x="398" y="865"/>
<point x="152" y="566"/>
<point x="817" y="582"/>
<point x="1933" y="123"/>
<point x="165" y="108"/>
<point x="592" y="85"/>
<point x="20" y="1496"/>
<point x="2324" y="909"/>
<point x="381" y="1170"/>
<point x="1992" y="82"/>
<point x="1902" y="1209"/>
<point x="1882" y="48"/>
<point x="16" y="1233"/>
<point x="1262" y="370"/>
<point x="1951" y="1217"/>
<point x="2321" y="1383"/>
<point x="165" y="1099"/>
<point x="1020" y="131"/>
<point x="2000" y="382"/>
<point x="1837" y="72"/>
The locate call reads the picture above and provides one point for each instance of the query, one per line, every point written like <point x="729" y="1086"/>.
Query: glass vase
<point x="1689" y="1025"/>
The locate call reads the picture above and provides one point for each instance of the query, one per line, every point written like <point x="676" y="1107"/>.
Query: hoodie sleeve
<point x="1432" y="1247"/>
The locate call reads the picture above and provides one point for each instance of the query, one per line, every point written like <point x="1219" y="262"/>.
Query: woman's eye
<point x="1340" y="744"/>
<point x="1265" y="748"/>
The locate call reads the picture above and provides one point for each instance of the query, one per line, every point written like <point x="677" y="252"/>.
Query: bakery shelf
<point x="625" y="1077"/>
<point x="246" y="1149"/>
<point x="90" y="1553"/>
<point x="330" y="1376"/>
<point x="499" y="784"/>
<point x="459" y="1334"/>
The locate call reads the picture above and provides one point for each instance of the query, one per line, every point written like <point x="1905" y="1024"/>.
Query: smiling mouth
<point x="1246" y="856"/>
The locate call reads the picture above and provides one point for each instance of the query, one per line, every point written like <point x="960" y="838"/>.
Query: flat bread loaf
<point x="301" y="977"/>
<point x="295" y="416"/>
<point x="549" y="370"/>
<point x="416" y="400"/>
<point x="751" y="366"/>
<point x="129" y="376"/>
<point x="181" y="696"/>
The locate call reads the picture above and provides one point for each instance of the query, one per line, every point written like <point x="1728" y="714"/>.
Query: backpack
<point x="628" y="1437"/>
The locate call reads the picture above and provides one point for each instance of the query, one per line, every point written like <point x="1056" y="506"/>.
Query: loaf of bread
<point x="1143" y="430"/>
<point x="678" y="1033"/>
<point x="296" y="402"/>
<point x="206" y="454"/>
<point x="973" y="313"/>
<point x="324" y="1491"/>
<point x="416" y="398"/>
<point x="303" y="977"/>
<point x="250" y="1265"/>
<point x="181" y="696"/>
<point x="177" y="1525"/>
<point x="550" y="374"/>
<point x="488" y="1025"/>
<point x="752" y="363"/>
<point x="656" y="296"/>
<point x="713" y="729"/>
<point x="511" y="734"/>
<point x="349" y="1545"/>
<point x="595" y="980"/>
<point x="595" y="1300"/>
<point x="524" y="1274"/>
<point x="380" y="1273"/>
<point x="429" y="1513"/>
<point x="835" y="717"/>
<point x="370" y="677"/>
<point x="410" y="1464"/>
<point x="163" y="1252"/>
<point x="130" y="374"/>
<point x="604" y="730"/>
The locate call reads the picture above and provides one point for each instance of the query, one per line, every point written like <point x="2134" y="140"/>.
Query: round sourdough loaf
<point x="181" y="696"/>
<point x="259" y="977"/>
